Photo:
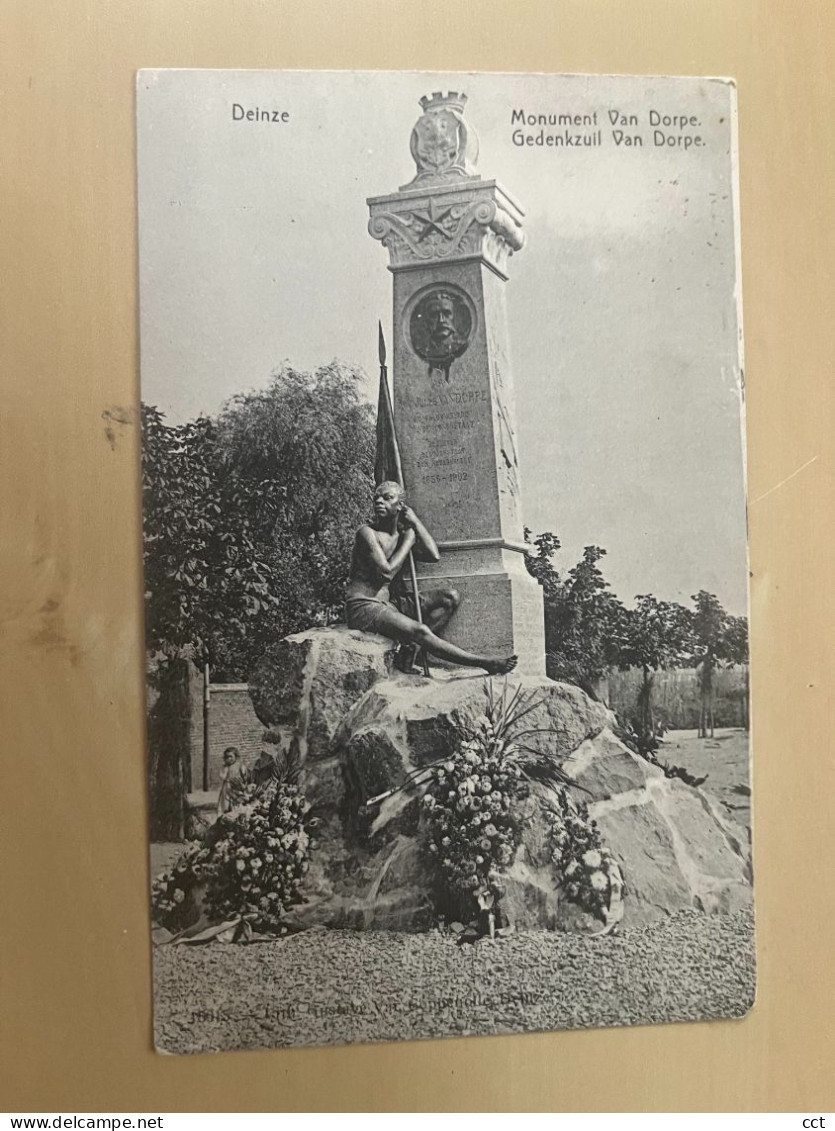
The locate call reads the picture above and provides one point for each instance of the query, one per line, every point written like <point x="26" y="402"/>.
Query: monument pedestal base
<point x="501" y="610"/>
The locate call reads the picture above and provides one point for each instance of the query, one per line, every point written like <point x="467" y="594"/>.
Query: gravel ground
<point x="723" y="758"/>
<point x="329" y="987"/>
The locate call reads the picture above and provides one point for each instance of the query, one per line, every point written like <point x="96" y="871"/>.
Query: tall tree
<point x="310" y="439"/>
<point x="248" y="522"/>
<point x="204" y="581"/>
<point x="587" y="625"/>
<point x="205" y="577"/>
<point x="583" y="618"/>
<point x="710" y="622"/>
<point x="736" y="652"/>
<point x="656" y="634"/>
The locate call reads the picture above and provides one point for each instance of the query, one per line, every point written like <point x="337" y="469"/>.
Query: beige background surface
<point x="76" y="1003"/>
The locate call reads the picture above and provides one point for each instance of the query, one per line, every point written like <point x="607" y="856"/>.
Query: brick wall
<point x="232" y="722"/>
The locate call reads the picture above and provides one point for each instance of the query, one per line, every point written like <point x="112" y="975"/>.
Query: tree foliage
<point x="718" y="639"/>
<point x="735" y="640"/>
<point x="205" y="575"/>
<point x="736" y="652"/>
<point x="588" y="623"/>
<point x="656" y="634"/>
<point x="583" y="618"/>
<point x="249" y="518"/>
<point x="588" y="631"/>
<point x="540" y="564"/>
<point x="312" y="439"/>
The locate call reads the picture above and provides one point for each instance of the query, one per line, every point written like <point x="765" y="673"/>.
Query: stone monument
<point x="450" y="235"/>
<point x="362" y="735"/>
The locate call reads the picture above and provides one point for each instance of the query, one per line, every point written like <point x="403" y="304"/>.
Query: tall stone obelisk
<point x="450" y="235"/>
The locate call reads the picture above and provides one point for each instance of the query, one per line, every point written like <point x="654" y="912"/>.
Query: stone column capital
<point x="471" y="219"/>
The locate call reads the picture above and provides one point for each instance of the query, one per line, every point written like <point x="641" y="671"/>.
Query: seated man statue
<point x="381" y="549"/>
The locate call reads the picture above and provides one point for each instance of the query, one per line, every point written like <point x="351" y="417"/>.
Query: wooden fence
<point x="676" y="698"/>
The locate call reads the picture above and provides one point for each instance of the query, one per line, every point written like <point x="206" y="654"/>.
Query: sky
<point x="622" y="306"/>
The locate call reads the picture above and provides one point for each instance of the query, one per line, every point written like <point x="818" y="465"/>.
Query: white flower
<point x="572" y="868"/>
<point x="598" y="880"/>
<point x="449" y="767"/>
<point x="240" y="865"/>
<point x="591" y="858"/>
<point x="179" y="895"/>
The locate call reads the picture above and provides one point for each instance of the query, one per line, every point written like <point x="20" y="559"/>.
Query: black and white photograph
<point x="445" y="554"/>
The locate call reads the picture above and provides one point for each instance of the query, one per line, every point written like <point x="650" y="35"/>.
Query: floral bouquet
<point x="589" y="873"/>
<point x="172" y="893"/>
<point x="474" y="811"/>
<point x="250" y="865"/>
<point x="472" y="832"/>
<point x="471" y="805"/>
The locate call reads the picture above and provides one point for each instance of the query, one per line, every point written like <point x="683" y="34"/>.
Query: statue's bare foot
<point x="501" y="667"/>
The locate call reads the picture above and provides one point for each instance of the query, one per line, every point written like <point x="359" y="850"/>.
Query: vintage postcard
<point x="445" y="554"/>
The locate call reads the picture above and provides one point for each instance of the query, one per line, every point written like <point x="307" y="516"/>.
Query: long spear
<point x="385" y="401"/>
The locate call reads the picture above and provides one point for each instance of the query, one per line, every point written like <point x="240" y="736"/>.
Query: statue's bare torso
<point x="377" y="602"/>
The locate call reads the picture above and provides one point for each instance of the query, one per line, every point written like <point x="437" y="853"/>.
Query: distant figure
<point x="233" y="779"/>
<point x="381" y="549"/>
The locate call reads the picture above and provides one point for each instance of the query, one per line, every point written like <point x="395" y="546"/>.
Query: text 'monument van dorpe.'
<point x="650" y="128"/>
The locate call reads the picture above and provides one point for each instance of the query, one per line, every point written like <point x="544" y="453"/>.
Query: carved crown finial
<point x="439" y="101"/>
<point x="443" y="145"/>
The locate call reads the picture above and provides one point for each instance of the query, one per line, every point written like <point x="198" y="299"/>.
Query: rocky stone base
<point x="358" y="731"/>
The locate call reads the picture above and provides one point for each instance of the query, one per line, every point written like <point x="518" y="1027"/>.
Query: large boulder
<point x="302" y="689"/>
<point x="309" y="681"/>
<point x="408" y="721"/>
<point x="363" y="732"/>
